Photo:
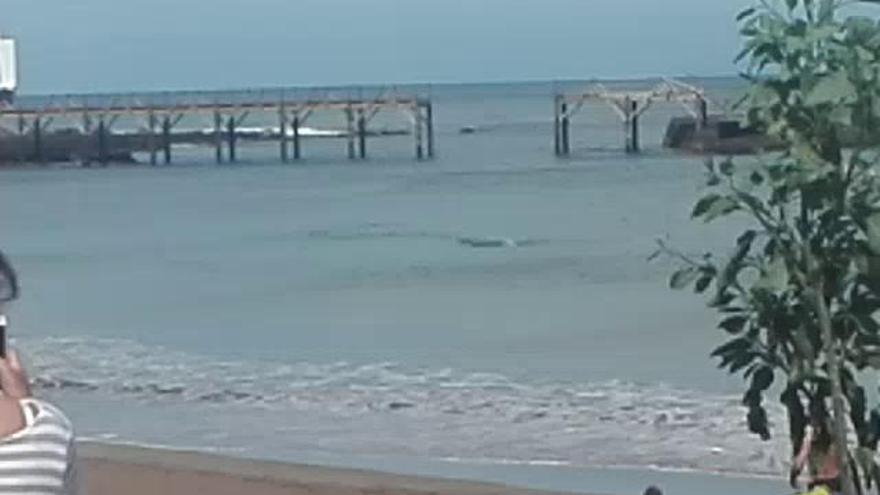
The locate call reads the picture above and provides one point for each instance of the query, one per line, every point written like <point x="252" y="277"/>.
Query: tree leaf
<point x="872" y="229"/>
<point x="756" y="178"/>
<point x="703" y="283"/>
<point x="762" y="379"/>
<point x="865" y="56"/>
<point x="821" y="33"/>
<point x="761" y="95"/>
<point x="744" y="242"/>
<point x="721" y="207"/>
<point x="722" y="299"/>
<point x="866" y="304"/>
<point x="742" y="54"/>
<point x="753" y="397"/>
<point x="683" y="278"/>
<point x="841" y="116"/>
<point x="726" y="167"/>
<point x="745" y="13"/>
<point x="757" y="420"/>
<point x="867" y="323"/>
<point x="826" y="11"/>
<point x="704" y="204"/>
<point x="752" y="201"/>
<point x="734" y="325"/>
<point x="833" y="88"/>
<point x="803" y="344"/>
<point x="775" y="276"/>
<point x="742" y="361"/>
<point x="797" y="418"/>
<point x="736" y="346"/>
<point x="873" y="362"/>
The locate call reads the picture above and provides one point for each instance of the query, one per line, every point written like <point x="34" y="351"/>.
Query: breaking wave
<point x="384" y="408"/>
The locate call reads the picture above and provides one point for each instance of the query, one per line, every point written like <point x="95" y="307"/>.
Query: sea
<point x="490" y="314"/>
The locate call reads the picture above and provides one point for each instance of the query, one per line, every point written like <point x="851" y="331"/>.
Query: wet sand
<point x="139" y="471"/>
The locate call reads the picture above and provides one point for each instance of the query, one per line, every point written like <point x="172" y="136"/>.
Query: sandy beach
<point x="114" y="470"/>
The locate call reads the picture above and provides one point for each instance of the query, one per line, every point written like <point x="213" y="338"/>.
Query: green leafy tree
<point x="799" y="293"/>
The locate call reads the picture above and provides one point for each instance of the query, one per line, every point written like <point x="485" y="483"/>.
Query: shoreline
<point x="112" y="468"/>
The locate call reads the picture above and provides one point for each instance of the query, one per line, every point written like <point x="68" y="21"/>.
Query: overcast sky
<point x="116" y="45"/>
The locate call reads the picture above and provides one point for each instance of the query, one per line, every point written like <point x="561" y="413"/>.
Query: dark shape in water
<point x="487" y="242"/>
<point x="718" y="135"/>
<point x="8" y="280"/>
<point x="653" y="490"/>
<point x="396" y="406"/>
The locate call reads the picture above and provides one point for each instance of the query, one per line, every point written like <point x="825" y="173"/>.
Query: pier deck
<point x="629" y="106"/>
<point x="151" y="120"/>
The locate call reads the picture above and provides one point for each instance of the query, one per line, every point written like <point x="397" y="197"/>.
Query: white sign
<point x="8" y="65"/>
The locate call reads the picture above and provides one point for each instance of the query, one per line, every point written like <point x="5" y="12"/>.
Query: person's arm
<point x="11" y="417"/>
<point x="801" y="459"/>
<point x="15" y="386"/>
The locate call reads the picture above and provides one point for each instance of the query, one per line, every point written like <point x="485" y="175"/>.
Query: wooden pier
<point x="629" y="106"/>
<point x="99" y="124"/>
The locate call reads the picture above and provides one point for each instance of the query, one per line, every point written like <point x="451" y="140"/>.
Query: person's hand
<point x="13" y="379"/>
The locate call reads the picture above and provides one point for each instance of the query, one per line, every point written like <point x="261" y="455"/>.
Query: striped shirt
<point x="39" y="459"/>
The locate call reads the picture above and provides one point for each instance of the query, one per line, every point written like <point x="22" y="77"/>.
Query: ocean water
<point x="331" y="311"/>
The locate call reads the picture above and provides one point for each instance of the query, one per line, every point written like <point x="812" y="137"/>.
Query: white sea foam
<point x="276" y="131"/>
<point x="384" y="408"/>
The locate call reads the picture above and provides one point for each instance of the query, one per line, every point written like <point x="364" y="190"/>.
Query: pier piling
<point x="349" y="120"/>
<point x="166" y="138"/>
<point x="565" y="130"/>
<point x="22" y="129"/>
<point x="296" y="145"/>
<point x="86" y="150"/>
<point x="103" y="155"/>
<point x="418" y="131"/>
<point x="629" y="105"/>
<point x="282" y="135"/>
<point x="362" y="134"/>
<point x="557" y="144"/>
<point x="631" y="125"/>
<point x="218" y="136"/>
<point x="636" y="146"/>
<point x="231" y="137"/>
<point x="429" y="109"/>
<point x="38" y="140"/>
<point x="151" y="137"/>
<point x="703" y="112"/>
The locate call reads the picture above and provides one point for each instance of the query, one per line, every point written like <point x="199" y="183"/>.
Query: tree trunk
<point x="838" y="400"/>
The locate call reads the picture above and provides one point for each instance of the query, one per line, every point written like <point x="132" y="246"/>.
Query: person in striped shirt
<point x="37" y="443"/>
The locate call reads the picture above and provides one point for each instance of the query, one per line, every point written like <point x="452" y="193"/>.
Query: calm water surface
<point x="330" y="308"/>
